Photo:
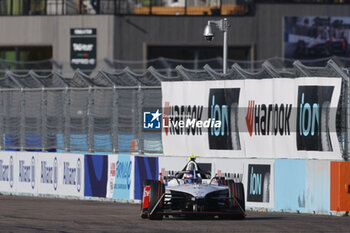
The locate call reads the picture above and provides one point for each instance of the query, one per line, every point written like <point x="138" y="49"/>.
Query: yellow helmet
<point x="192" y="157"/>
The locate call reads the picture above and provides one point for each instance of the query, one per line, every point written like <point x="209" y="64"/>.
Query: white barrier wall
<point x="60" y="174"/>
<point x="278" y="185"/>
<point x="48" y="180"/>
<point x="42" y="173"/>
<point x="8" y="172"/>
<point x="71" y="175"/>
<point x="26" y="177"/>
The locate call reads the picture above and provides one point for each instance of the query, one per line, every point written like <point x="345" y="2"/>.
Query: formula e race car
<point x="191" y="193"/>
<point x="322" y="45"/>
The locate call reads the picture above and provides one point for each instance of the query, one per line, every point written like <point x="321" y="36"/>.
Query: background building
<point x="138" y="30"/>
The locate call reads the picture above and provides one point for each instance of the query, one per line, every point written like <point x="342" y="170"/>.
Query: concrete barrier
<point x="288" y="185"/>
<point x="340" y="186"/>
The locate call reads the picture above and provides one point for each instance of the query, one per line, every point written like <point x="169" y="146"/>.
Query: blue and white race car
<point x="192" y="192"/>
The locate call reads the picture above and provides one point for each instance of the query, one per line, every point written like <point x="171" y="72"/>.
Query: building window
<point x="26" y="58"/>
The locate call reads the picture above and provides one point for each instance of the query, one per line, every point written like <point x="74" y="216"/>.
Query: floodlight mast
<point x="209" y="35"/>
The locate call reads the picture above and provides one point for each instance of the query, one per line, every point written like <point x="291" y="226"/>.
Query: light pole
<point x="209" y="36"/>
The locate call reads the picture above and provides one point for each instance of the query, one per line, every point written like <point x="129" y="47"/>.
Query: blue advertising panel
<point x="145" y="168"/>
<point x="96" y="169"/>
<point x="290" y="193"/>
<point x="122" y="177"/>
<point x="318" y="186"/>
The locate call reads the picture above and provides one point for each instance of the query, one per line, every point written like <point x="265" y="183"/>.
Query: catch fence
<point x="104" y="112"/>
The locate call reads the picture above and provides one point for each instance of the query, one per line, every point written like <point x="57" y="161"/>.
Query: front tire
<point x="236" y="197"/>
<point x="153" y="191"/>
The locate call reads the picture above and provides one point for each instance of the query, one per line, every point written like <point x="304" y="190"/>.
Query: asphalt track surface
<point x="34" y="214"/>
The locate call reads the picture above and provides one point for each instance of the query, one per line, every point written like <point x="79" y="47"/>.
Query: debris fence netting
<point x="104" y="112"/>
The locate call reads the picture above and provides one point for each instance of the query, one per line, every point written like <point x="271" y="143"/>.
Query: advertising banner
<point x="259" y="184"/>
<point x="145" y="168"/>
<point x="172" y="164"/>
<point x="112" y="171"/>
<point x="48" y="168"/>
<point x="42" y="173"/>
<point x="27" y="176"/>
<point x="232" y="168"/>
<point x="71" y="172"/>
<point x="120" y="176"/>
<point x="96" y="171"/>
<point x="266" y="118"/>
<point x="8" y="172"/>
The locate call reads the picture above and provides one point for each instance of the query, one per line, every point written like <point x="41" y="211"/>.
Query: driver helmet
<point x="191" y="176"/>
<point x="188" y="178"/>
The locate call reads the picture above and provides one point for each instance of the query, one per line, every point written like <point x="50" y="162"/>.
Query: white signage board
<point x="266" y="118"/>
<point x="27" y="175"/>
<point x="71" y="174"/>
<point x="8" y="172"/>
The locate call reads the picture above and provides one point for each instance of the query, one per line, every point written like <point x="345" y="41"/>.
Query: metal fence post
<point x="90" y="113"/>
<point x="23" y="121"/>
<point x="43" y="119"/>
<point x="115" y="120"/>
<point x="2" y="115"/>
<point x="139" y="118"/>
<point x="134" y="117"/>
<point x="67" y="119"/>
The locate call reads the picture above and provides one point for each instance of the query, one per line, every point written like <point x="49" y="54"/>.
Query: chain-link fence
<point x="104" y="113"/>
<point x="163" y="65"/>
